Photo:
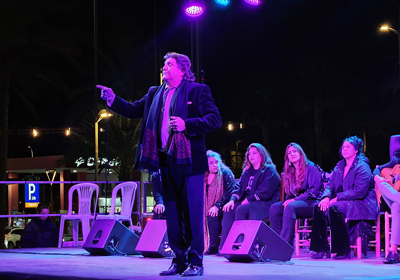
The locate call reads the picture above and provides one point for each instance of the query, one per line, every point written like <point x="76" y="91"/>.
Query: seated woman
<point x="350" y="195"/>
<point x="392" y="198"/>
<point x="40" y="231"/>
<point x="219" y="183"/>
<point x="159" y="208"/>
<point x="258" y="190"/>
<point x="302" y="182"/>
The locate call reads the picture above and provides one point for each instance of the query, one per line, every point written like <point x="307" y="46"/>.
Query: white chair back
<point x="128" y="191"/>
<point x="85" y="194"/>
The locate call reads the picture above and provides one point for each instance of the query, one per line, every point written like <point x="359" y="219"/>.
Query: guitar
<point x="393" y="177"/>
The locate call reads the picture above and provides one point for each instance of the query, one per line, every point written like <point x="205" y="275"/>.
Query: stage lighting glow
<point x="222" y="2"/>
<point x="253" y="2"/>
<point x="194" y="10"/>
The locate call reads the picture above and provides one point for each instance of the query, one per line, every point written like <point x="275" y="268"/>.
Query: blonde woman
<point x="219" y="183"/>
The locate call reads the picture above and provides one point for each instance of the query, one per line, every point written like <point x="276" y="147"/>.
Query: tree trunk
<point x="318" y="128"/>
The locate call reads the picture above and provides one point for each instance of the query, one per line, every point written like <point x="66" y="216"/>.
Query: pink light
<point x="194" y="11"/>
<point x="253" y="2"/>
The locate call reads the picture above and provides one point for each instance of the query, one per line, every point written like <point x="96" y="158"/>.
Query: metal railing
<point x="104" y="190"/>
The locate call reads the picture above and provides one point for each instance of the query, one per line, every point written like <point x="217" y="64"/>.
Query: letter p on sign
<point x="31" y="191"/>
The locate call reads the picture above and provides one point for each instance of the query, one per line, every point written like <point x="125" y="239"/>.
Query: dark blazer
<point x="356" y="189"/>
<point x="265" y="185"/>
<point x="203" y="117"/>
<point x="312" y="186"/>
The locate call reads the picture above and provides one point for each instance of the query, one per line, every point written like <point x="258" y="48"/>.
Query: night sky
<point x="281" y="68"/>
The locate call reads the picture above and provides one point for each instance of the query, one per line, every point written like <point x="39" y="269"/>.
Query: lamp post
<point x="387" y="28"/>
<point x="53" y="172"/>
<point x="237" y="155"/>
<point x="102" y="114"/>
<point x="29" y="147"/>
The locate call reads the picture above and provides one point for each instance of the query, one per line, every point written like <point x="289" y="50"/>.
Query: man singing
<point x="176" y="115"/>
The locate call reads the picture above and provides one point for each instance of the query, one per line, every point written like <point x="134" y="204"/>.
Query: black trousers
<point x="183" y="195"/>
<point x="214" y="228"/>
<point x="283" y="220"/>
<point x="335" y="215"/>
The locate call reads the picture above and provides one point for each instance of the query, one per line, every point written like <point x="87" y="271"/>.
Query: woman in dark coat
<point x="219" y="183"/>
<point x="258" y="190"/>
<point x="348" y="195"/>
<point x="302" y="182"/>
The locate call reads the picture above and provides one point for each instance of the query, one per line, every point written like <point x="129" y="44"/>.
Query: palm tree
<point x="123" y="136"/>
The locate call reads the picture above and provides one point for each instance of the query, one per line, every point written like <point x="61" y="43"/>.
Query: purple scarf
<point x="179" y="157"/>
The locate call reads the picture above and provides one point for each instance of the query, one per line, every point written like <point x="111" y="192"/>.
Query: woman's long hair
<point x="289" y="171"/>
<point x="221" y="164"/>
<point x="265" y="157"/>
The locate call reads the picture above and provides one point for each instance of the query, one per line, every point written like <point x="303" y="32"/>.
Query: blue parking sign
<point x="31" y="195"/>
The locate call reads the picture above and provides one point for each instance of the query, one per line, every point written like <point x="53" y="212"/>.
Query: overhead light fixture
<point x="253" y="2"/>
<point x="222" y="2"/>
<point x="193" y="8"/>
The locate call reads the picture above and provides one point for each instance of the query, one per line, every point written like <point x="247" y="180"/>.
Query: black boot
<point x="320" y="255"/>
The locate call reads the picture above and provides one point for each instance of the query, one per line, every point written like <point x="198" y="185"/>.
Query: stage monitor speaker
<point x="110" y="237"/>
<point x="250" y="240"/>
<point x="153" y="242"/>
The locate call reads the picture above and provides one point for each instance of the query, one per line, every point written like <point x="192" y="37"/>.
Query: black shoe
<point x="391" y="258"/>
<point x="320" y="255"/>
<point x="174" y="269"/>
<point x="342" y="256"/>
<point x="212" y="251"/>
<point x="193" y="270"/>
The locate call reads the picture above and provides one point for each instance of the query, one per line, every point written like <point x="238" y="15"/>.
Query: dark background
<point x="311" y="72"/>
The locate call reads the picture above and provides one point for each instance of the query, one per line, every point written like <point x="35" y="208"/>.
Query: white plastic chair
<point x="128" y="191"/>
<point x="85" y="215"/>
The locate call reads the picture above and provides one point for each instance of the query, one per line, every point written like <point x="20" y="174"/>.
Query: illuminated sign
<point x="102" y="161"/>
<point x="31" y="195"/>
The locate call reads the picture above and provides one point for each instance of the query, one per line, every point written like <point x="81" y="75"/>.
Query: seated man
<point x="391" y="196"/>
<point x="41" y="231"/>
<point x="159" y="208"/>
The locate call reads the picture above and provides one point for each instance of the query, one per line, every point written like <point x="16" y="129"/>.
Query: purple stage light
<point x="253" y="2"/>
<point x="194" y="9"/>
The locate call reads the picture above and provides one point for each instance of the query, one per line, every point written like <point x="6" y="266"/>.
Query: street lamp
<point x="53" y="172"/>
<point x="102" y="114"/>
<point x="29" y="147"/>
<point x="387" y="28"/>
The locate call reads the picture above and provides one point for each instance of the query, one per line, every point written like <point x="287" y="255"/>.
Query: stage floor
<point x="76" y="263"/>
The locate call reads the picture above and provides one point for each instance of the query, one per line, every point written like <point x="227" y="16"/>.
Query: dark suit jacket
<point x="203" y="117"/>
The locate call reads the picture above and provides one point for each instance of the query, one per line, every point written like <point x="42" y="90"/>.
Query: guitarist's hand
<point x="379" y="179"/>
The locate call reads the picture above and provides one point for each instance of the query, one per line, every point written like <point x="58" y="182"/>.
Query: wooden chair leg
<point x="297" y="238"/>
<point x="359" y="247"/>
